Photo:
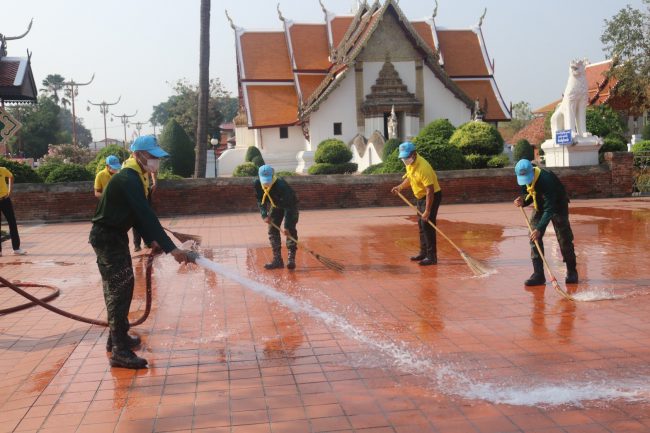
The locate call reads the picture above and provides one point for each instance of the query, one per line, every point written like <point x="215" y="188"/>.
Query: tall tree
<point x="53" y="84"/>
<point x="626" y="39"/>
<point x="521" y="115"/>
<point x="40" y="127"/>
<point x="179" y="145"/>
<point x="204" y="91"/>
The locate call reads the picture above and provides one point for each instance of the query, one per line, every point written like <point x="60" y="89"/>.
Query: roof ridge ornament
<point x="232" y="24"/>
<point x="280" y="14"/>
<point x="435" y="11"/>
<point x="480" y="21"/>
<point x="4" y="39"/>
<point x="323" y="8"/>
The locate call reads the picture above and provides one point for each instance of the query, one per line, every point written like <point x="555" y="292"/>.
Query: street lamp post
<point x="103" y="108"/>
<point x="124" y="118"/>
<point x="72" y="87"/>
<point x="138" y="126"/>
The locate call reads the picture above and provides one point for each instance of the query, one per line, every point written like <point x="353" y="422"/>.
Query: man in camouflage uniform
<point x="123" y="205"/>
<point x="278" y="201"/>
<point x="546" y="193"/>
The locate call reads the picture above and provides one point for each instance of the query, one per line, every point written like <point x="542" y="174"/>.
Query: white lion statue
<point x="571" y="113"/>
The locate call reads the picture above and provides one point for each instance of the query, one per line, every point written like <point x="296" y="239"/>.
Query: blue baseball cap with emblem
<point x="113" y="162"/>
<point x="525" y="172"/>
<point x="148" y="143"/>
<point x="266" y="174"/>
<point x="405" y="149"/>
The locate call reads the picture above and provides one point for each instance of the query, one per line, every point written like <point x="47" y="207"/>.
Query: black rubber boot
<point x="122" y="356"/>
<point x="427" y="261"/>
<point x="133" y="341"/>
<point x="291" y="259"/>
<point x="537" y="278"/>
<point x="571" y="273"/>
<point x="419" y="257"/>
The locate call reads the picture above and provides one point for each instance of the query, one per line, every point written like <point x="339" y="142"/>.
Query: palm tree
<point x="53" y="84"/>
<point x="204" y="91"/>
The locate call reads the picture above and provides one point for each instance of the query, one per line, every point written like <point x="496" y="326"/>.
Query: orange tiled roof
<point x="265" y="56"/>
<point x="339" y="26"/>
<point x="310" y="47"/>
<point x="533" y="132"/>
<point x="8" y="71"/>
<point x="308" y="83"/>
<point x="272" y="105"/>
<point x="462" y="53"/>
<point x="424" y="30"/>
<point x="482" y="90"/>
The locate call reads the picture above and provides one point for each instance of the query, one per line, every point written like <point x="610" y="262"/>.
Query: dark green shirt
<point x="551" y="197"/>
<point x="282" y="194"/>
<point x="123" y="205"/>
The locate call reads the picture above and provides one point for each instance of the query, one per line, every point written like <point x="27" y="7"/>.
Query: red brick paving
<point x="225" y="359"/>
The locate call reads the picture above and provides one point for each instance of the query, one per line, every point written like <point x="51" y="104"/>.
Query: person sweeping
<point x="423" y="181"/>
<point x="547" y="194"/>
<point x="277" y="201"/>
<point x="124" y="205"/>
<point x="102" y="178"/>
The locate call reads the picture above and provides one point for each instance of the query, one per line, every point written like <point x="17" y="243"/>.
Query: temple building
<point x="342" y="78"/>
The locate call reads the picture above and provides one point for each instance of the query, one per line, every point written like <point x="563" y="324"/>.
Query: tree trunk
<point x="204" y="91"/>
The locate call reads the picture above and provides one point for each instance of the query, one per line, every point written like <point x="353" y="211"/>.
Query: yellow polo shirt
<point x="4" y="181"/>
<point x="421" y="175"/>
<point x="101" y="180"/>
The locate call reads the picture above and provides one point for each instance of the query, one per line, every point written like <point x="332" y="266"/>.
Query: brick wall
<point x="75" y="200"/>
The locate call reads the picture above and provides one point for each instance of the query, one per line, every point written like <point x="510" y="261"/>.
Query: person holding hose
<point x="124" y="205"/>
<point x="546" y="193"/>
<point x="423" y="181"/>
<point x="277" y="201"/>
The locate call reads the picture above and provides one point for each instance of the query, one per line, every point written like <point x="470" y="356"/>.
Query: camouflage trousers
<point x="114" y="262"/>
<point x="290" y="217"/>
<point x="563" y="233"/>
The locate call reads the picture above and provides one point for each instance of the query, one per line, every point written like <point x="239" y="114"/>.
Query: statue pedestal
<point x="583" y="151"/>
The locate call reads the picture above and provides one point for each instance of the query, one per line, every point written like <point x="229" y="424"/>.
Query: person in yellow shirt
<point x="101" y="180"/>
<point x="423" y="180"/>
<point x="7" y="209"/>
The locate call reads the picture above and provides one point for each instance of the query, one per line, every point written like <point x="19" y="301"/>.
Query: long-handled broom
<point x="475" y="265"/>
<point x="329" y="263"/>
<point x="554" y="282"/>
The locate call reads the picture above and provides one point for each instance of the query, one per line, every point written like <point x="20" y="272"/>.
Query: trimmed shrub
<point x="374" y="169"/>
<point x="180" y="147"/>
<point x="392" y="164"/>
<point x="437" y="132"/>
<point x="477" y="161"/>
<point x="442" y="157"/>
<point x="69" y="173"/>
<point x="389" y="147"/>
<point x="98" y="164"/>
<point x="477" y="138"/>
<point x="22" y="172"/>
<point x="523" y="150"/>
<point x="285" y="173"/>
<point x="612" y="144"/>
<point x="328" y="168"/>
<point x="246" y="169"/>
<point x="167" y="174"/>
<point x="641" y="146"/>
<point x="44" y="169"/>
<point x="498" y="161"/>
<point x="258" y="161"/>
<point x="332" y="151"/>
<point x="251" y="153"/>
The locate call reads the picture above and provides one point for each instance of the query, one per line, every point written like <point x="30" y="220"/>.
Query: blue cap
<point x="266" y="174"/>
<point x="148" y="143"/>
<point x="405" y="149"/>
<point x="524" y="171"/>
<point x="113" y="162"/>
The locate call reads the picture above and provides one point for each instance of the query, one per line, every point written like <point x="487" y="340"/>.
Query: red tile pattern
<point x="226" y="359"/>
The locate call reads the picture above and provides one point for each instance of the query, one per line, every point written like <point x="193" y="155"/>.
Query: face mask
<point x="408" y="161"/>
<point x="153" y="165"/>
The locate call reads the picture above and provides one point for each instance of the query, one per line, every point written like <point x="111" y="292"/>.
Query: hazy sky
<point x="136" y="48"/>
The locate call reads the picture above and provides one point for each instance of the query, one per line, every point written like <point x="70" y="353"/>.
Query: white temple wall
<point x="441" y="103"/>
<point x="339" y="107"/>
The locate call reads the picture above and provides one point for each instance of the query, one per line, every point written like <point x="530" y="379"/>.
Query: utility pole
<point x="138" y="126"/>
<point x="103" y="108"/>
<point x="124" y="118"/>
<point x="73" y="87"/>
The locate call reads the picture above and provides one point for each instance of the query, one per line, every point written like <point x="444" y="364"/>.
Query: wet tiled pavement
<point x="386" y="347"/>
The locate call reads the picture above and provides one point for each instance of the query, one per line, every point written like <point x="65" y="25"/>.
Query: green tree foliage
<point x="99" y="162"/>
<point x="182" y="107"/>
<point x="521" y="115"/>
<point x="498" y="161"/>
<point x="40" y="127"/>
<point x="523" y="150"/>
<point x="22" y="172"/>
<point x="84" y="136"/>
<point x="611" y="144"/>
<point x="329" y="168"/>
<point x="442" y="157"/>
<point x="389" y="147"/>
<point x="332" y="151"/>
<point x="246" y="169"/>
<point x="52" y="85"/>
<point x="645" y="133"/>
<point x="437" y="132"/>
<point x="251" y="153"/>
<point x="477" y="161"/>
<point x="374" y="169"/>
<point x="626" y="39"/>
<point x="69" y="173"/>
<point x="603" y="121"/>
<point x="478" y="138"/>
<point x="641" y="146"/>
<point x="180" y="148"/>
<point x="258" y="161"/>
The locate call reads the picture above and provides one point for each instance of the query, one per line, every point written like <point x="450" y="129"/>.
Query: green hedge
<point x="332" y="151"/>
<point x="389" y="147"/>
<point x="251" y="153"/>
<point x="98" y="164"/>
<point x="246" y="169"/>
<point x="374" y="169"/>
<point x="477" y="161"/>
<point x="327" y="168"/>
<point x="477" y="138"/>
<point x="258" y="161"/>
<point x="641" y="146"/>
<point x="69" y="173"/>
<point x="22" y="172"/>
<point x="443" y="157"/>
<point x="523" y="150"/>
<point x="498" y="161"/>
<point x="285" y="173"/>
<point x="645" y="132"/>
<point x="437" y="132"/>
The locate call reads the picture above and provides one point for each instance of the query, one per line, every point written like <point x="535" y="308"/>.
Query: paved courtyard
<point x="386" y="347"/>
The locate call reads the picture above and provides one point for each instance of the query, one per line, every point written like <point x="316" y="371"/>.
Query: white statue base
<point x="230" y="159"/>
<point x="583" y="151"/>
<point x="305" y="160"/>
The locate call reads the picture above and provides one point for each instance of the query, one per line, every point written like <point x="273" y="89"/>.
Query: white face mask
<point x="153" y="165"/>
<point x="408" y="161"/>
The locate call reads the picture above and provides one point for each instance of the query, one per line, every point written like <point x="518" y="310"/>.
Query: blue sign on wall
<point x="563" y="137"/>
